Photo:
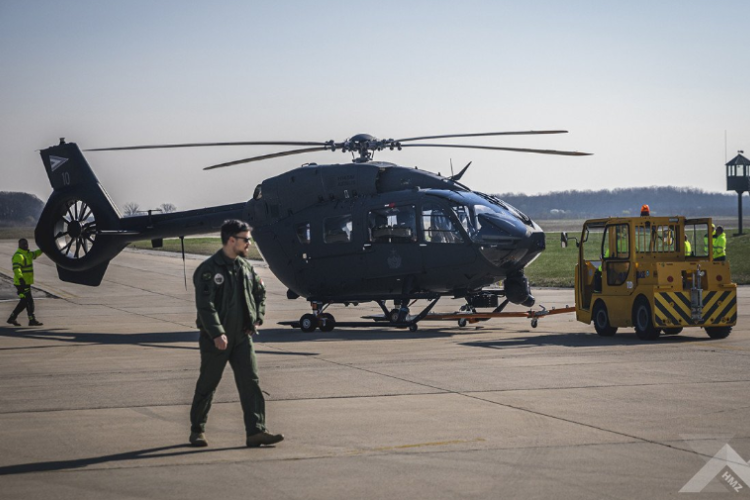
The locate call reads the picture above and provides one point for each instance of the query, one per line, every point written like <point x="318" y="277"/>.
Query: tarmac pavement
<point x="95" y="404"/>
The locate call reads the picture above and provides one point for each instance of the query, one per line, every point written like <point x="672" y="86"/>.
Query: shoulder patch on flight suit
<point x="218" y="278"/>
<point x="206" y="276"/>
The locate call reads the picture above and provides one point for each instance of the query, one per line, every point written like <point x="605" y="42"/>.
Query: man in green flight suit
<point x="23" y="278"/>
<point x="231" y="302"/>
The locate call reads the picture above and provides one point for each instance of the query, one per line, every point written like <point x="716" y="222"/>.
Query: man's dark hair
<point x="22" y="240"/>
<point x="231" y="228"/>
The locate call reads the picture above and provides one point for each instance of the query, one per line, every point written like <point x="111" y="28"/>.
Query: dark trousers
<point x="26" y="302"/>
<point x="240" y="354"/>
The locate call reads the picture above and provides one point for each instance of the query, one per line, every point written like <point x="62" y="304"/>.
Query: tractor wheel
<point x="642" y="319"/>
<point x="718" y="332"/>
<point x="601" y="320"/>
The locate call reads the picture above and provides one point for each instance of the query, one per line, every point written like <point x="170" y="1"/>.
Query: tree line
<point x="19" y="209"/>
<point x="622" y="202"/>
<point x="23" y="209"/>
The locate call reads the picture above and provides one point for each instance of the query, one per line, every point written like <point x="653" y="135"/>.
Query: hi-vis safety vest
<point x="688" y="248"/>
<point x="23" y="266"/>
<point x="720" y="246"/>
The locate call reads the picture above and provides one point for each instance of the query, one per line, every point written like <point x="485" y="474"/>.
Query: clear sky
<point x="649" y="87"/>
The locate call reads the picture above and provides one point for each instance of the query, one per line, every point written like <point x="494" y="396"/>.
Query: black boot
<point x="12" y="320"/>
<point x="34" y="322"/>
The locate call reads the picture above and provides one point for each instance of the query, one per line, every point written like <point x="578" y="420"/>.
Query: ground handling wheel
<point x="398" y="315"/>
<point x="308" y="323"/>
<point x="718" y="332"/>
<point x="601" y="320"/>
<point x="644" y="327"/>
<point x="326" y="323"/>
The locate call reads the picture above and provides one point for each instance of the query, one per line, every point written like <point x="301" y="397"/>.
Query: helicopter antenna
<point x="451" y="168"/>
<point x="460" y="174"/>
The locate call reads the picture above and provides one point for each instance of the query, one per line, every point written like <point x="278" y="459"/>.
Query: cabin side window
<point x="616" y="252"/>
<point x="303" y="233"/>
<point x="437" y="226"/>
<point x="392" y="225"/>
<point x="697" y="235"/>
<point x="337" y="229"/>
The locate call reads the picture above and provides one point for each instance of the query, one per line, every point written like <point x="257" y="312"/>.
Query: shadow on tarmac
<point x="284" y="335"/>
<point x="581" y="340"/>
<point x="60" y="465"/>
<point x="162" y="340"/>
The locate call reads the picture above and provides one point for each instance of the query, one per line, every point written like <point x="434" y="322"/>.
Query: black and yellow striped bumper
<point x="673" y="309"/>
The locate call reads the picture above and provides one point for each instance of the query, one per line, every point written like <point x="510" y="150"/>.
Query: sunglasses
<point x="247" y="240"/>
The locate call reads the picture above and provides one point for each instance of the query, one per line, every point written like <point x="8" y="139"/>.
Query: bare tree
<point x="168" y="208"/>
<point x="130" y="208"/>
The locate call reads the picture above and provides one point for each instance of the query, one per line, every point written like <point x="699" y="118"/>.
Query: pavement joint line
<point x="630" y="436"/>
<point x="602" y="429"/>
<point x="360" y="396"/>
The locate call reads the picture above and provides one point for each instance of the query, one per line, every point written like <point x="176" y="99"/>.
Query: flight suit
<point x="230" y="299"/>
<point x="23" y="278"/>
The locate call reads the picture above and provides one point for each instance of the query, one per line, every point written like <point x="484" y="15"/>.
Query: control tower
<point x="738" y="179"/>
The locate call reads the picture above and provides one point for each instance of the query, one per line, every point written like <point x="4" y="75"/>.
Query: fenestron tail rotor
<point x="75" y="230"/>
<point x="362" y="146"/>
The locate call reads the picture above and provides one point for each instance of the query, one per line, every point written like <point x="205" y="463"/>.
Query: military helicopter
<point x="334" y="234"/>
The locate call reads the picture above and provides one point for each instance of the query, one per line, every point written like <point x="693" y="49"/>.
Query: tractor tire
<point x="601" y="320"/>
<point x="642" y="320"/>
<point x="718" y="332"/>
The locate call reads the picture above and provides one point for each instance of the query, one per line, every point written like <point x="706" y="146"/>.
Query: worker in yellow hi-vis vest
<point x="23" y="278"/>
<point x="720" y="244"/>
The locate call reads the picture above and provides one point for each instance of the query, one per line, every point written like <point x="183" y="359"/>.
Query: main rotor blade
<point x="210" y="144"/>
<point x="496" y="148"/>
<point x="265" y="157"/>
<point x="527" y="132"/>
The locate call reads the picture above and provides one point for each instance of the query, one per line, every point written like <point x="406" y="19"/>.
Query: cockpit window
<point x="437" y="225"/>
<point x="464" y="216"/>
<point x="493" y="203"/>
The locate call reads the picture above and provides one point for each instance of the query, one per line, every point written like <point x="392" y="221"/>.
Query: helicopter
<point x="348" y="233"/>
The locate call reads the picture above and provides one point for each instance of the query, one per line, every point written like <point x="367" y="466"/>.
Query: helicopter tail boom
<point x="81" y="229"/>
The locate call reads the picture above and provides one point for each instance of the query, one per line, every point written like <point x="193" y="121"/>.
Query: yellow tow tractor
<point x="657" y="274"/>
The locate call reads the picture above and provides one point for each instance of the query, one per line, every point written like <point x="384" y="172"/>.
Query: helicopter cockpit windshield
<point x="486" y="222"/>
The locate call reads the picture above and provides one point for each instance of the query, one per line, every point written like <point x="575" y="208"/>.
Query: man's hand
<point x="221" y="342"/>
